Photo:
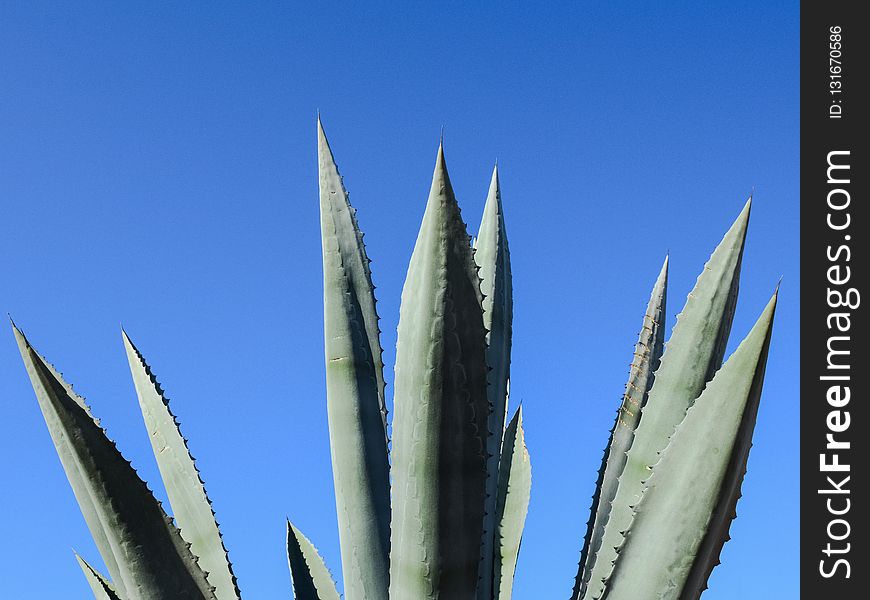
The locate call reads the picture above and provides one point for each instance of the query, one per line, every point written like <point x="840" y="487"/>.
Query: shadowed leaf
<point x="354" y="391"/>
<point x="100" y="586"/>
<point x="151" y="556"/>
<point x="441" y="412"/>
<point x="311" y="578"/>
<point x="692" y="355"/>
<point x="514" y="491"/>
<point x="78" y="480"/>
<point x="493" y="257"/>
<point x="695" y="474"/>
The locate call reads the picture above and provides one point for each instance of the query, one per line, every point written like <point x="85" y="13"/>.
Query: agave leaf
<point x="354" y="391"/>
<point x="692" y="356"/>
<point x="726" y="509"/>
<point x="191" y="506"/>
<point x="694" y="475"/>
<point x="100" y="586"/>
<point x="441" y="411"/>
<point x="152" y="557"/>
<point x="77" y="479"/>
<point x="514" y="490"/>
<point x="311" y="578"/>
<point x="493" y="258"/>
<point x="647" y="356"/>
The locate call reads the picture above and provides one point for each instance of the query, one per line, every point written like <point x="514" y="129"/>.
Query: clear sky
<point x="158" y="169"/>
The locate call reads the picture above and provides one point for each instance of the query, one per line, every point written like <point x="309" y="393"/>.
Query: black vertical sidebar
<point x="835" y="427"/>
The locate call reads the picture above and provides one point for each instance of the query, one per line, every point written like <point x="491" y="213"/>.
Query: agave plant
<point x="440" y="515"/>
<point x="444" y="520"/>
<point x="671" y="475"/>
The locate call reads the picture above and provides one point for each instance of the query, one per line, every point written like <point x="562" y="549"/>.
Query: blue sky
<point x="158" y="169"/>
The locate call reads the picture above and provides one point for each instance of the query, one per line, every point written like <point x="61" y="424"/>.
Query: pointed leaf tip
<point x="494" y="185"/>
<point x="99" y="584"/>
<point x="441" y="179"/>
<point x="22" y="340"/>
<point x="771" y="306"/>
<point x="662" y="279"/>
<point x="322" y="142"/>
<point x="310" y="577"/>
<point x="19" y="335"/>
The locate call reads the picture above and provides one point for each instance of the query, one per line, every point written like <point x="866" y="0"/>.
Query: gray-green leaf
<point x="692" y="355"/>
<point x="153" y="560"/>
<point x="646" y="360"/>
<point x="190" y="503"/>
<point x="78" y="480"/>
<point x="514" y="491"/>
<point x="493" y="257"/>
<point x="354" y="391"/>
<point x="100" y="586"/>
<point x="695" y="473"/>
<point x="441" y="411"/>
<point x="311" y="578"/>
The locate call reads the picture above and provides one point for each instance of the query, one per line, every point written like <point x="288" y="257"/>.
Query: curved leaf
<point x="77" y="479"/>
<point x="692" y="478"/>
<point x="354" y="391"/>
<point x="692" y="355"/>
<point x="514" y="491"/>
<point x="647" y="357"/>
<point x="152" y="557"/>
<point x="726" y="509"/>
<point x="191" y="506"/>
<point x="311" y="578"/>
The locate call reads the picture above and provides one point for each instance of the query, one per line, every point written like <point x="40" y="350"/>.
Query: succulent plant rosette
<point x="437" y="510"/>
